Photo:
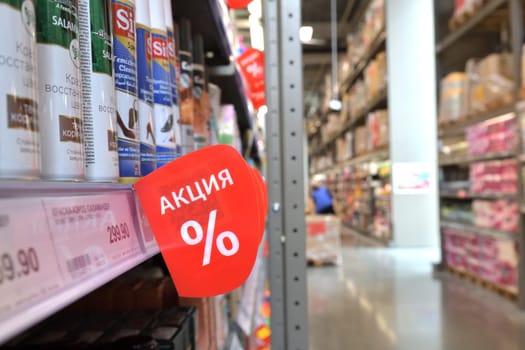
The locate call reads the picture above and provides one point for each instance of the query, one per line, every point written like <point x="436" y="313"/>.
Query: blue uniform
<point x="322" y="199"/>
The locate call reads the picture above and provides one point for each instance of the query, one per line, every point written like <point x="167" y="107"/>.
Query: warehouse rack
<point x="378" y="101"/>
<point x="478" y="35"/>
<point x="27" y="208"/>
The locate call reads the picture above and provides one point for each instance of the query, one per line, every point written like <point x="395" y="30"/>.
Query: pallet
<point x="507" y="294"/>
<point x="321" y="263"/>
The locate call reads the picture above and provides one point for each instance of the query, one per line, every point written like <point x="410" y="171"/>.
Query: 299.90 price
<point x="18" y="265"/>
<point x="118" y="232"/>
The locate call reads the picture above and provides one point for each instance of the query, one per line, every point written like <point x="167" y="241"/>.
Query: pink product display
<point x="494" y="177"/>
<point x="492" y="137"/>
<point x="500" y="215"/>
<point x="492" y="259"/>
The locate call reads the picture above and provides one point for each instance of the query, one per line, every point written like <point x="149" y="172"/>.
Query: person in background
<point x="322" y="199"/>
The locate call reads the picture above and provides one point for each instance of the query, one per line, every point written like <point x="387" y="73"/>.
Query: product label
<point x="124" y="46"/>
<point x="161" y="69"/>
<point x="148" y="159"/>
<point x="21" y="113"/>
<point x="57" y="24"/>
<point x="129" y="158"/>
<point x="172" y="61"/>
<point x="112" y="141"/>
<point x="125" y="65"/>
<point x="186" y="102"/>
<point x="199" y="117"/>
<point x="18" y="91"/>
<point x="144" y="63"/>
<point x="98" y="92"/>
<point x="163" y="110"/>
<point x="60" y="89"/>
<point x="173" y="67"/>
<point x="186" y="89"/>
<point x="145" y="81"/>
<point x="100" y="28"/>
<point x="70" y="129"/>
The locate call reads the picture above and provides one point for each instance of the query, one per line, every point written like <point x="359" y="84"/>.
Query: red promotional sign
<point x="238" y="4"/>
<point x="251" y="64"/>
<point x="205" y="210"/>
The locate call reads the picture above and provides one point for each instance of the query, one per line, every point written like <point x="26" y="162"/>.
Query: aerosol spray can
<point x="172" y="60"/>
<point x="60" y="100"/>
<point x="148" y="161"/>
<point x="186" y="86"/>
<point x="200" y="120"/>
<point x="98" y="90"/>
<point x="162" y="108"/>
<point x="125" y="67"/>
<point x="20" y="151"/>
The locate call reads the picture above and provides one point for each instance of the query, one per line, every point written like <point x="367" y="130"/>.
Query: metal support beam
<point x="286" y="224"/>
<point x="516" y="20"/>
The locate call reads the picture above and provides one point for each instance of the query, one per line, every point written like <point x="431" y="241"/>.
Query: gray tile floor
<point x="381" y="299"/>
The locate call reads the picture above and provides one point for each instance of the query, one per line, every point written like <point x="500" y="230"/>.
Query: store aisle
<point x="384" y="299"/>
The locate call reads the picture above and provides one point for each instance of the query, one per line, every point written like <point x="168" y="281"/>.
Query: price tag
<point x="28" y="264"/>
<point x="92" y="233"/>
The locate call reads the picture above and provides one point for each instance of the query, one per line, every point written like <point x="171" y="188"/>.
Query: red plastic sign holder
<point x="207" y="211"/>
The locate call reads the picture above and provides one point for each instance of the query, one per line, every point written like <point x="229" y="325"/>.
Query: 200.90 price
<point x="118" y="232"/>
<point x="18" y="265"/>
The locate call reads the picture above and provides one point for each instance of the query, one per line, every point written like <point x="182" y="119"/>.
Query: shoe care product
<point x="148" y="161"/>
<point x="200" y="128"/>
<point x="60" y="100"/>
<point x="172" y="60"/>
<point x="206" y="110"/>
<point x="162" y="108"/>
<point x="214" y="93"/>
<point x="125" y="67"/>
<point x="98" y="91"/>
<point x="186" y="86"/>
<point x="20" y="154"/>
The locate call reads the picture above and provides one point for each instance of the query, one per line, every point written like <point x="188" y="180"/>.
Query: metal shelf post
<point x="286" y="222"/>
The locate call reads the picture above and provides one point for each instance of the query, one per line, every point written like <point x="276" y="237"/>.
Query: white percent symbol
<point x="219" y="242"/>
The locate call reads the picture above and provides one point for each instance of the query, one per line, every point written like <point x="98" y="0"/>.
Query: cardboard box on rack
<point x="361" y="140"/>
<point x="453" y="101"/>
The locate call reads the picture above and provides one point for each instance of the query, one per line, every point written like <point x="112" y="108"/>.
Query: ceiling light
<point x="335" y="105"/>
<point x="306" y="33"/>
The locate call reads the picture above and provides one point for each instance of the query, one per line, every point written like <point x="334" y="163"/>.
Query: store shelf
<point x="478" y="230"/>
<point x="478" y="16"/>
<point x="376" y="46"/>
<point x="80" y="236"/>
<point x="206" y="19"/>
<point x="377" y="155"/>
<point x="458" y="128"/>
<point x="465" y="160"/>
<point x="378" y="101"/>
<point x="468" y="196"/>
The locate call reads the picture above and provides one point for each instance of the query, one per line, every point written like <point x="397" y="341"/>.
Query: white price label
<point x="92" y="233"/>
<point x="29" y="270"/>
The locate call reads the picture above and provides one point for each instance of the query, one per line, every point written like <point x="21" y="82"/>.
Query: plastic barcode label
<point x="92" y="232"/>
<point x="29" y="271"/>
